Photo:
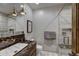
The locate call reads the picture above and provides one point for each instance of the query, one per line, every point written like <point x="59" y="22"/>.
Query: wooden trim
<point x="75" y="28"/>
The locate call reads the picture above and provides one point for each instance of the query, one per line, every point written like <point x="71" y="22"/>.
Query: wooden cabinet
<point x="75" y="28"/>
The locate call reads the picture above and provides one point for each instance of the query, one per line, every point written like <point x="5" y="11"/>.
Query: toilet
<point x="40" y="52"/>
<point x="39" y="49"/>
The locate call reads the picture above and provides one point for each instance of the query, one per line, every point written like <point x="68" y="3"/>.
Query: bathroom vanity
<point x="29" y="50"/>
<point x="17" y="46"/>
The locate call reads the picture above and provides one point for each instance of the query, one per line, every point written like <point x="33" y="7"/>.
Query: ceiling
<point x="8" y="7"/>
<point x="42" y="5"/>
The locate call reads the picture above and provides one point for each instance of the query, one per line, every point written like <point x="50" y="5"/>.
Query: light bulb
<point x="14" y="14"/>
<point x="22" y="13"/>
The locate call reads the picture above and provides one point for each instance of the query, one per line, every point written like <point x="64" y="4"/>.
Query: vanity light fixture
<point x="22" y="12"/>
<point x="14" y="13"/>
<point x="17" y="13"/>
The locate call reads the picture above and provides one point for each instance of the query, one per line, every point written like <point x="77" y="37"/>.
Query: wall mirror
<point x="29" y="26"/>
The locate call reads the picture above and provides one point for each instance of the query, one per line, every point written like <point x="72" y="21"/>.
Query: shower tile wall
<point x="50" y="45"/>
<point x="42" y="17"/>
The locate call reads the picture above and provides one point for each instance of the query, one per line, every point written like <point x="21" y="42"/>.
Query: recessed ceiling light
<point x="21" y="6"/>
<point x="37" y="3"/>
<point x="41" y="12"/>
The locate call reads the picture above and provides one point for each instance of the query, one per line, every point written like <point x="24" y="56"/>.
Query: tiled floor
<point x="46" y="53"/>
<point x="61" y="52"/>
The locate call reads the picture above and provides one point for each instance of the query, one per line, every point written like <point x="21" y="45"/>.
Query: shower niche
<point x="66" y="37"/>
<point x="49" y="35"/>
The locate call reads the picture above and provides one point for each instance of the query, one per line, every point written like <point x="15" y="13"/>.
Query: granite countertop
<point x="5" y="44"/>
<point x="12" y="50"/>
